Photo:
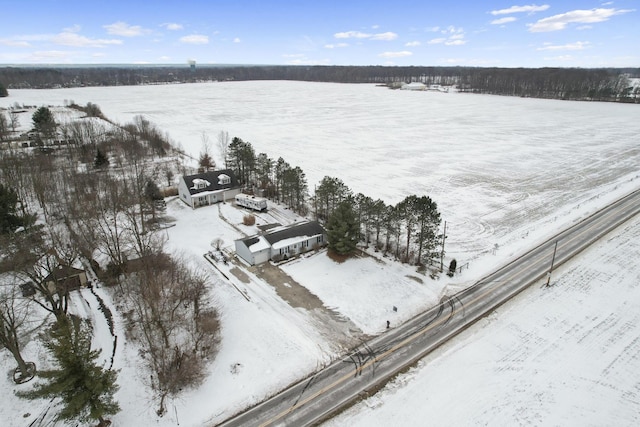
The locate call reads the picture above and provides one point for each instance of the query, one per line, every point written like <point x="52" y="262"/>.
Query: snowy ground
<point x="566" y="355"/>
<point x="504" y="171"/>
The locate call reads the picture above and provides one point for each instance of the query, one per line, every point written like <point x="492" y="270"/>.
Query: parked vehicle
<point x="251" y="202"/>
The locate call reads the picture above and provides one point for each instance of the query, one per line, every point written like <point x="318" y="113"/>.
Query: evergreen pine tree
<point x="343" y="230"/>
<point x="3" y="91"/>
<point x="206" y="162"/>
<point x="101" y="160"/>
<point x="85" y="389"/>
<point x="44" y="122"/>
<point x="9" y="219"/>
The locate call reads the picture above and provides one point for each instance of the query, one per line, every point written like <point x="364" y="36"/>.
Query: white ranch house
<point x="281" y="242"/>
<point x="208" y="188"/>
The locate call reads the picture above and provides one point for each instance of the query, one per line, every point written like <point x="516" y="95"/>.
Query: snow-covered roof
<point x="198" y="182"/>
<point x="298" y="231"/>
<point x="414" y="86"/>
<point x="214" y="180"/>
<point x="290" y="241"/>
<point x="284" y="236"/>
<point x="260" y="245"/>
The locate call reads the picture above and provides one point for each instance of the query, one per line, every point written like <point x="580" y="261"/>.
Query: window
<point x="199" y="184"/>
<point x="224" y="179"/>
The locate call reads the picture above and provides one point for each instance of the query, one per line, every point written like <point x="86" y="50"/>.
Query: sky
<point x="509" y="33"/>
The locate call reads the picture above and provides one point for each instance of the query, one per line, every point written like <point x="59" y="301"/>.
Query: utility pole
<point x="444" y="236"/>
<point x="555" y="248"/>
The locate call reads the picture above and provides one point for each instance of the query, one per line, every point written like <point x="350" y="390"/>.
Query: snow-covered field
<point x="505" y="173"/>
<point x="495" y="165"/>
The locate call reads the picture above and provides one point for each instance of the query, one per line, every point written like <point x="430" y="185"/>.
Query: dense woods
<point x="602" y="84"/>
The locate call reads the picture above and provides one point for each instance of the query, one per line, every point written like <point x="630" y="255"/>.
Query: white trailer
<point x="251" y="202"/>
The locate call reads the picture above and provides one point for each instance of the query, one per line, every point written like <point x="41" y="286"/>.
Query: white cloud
<point x="14" y="43"/>
<point x="504" y="20"/>
<point x="49" y="55"/>
<point x="400" y="54"/>
<point x="301" y="59"/>
<point x="125" y="30"/>
<point x="560" y="22"/>
<point x="452" y="30"/>
<point x="454" y="37"/>
<point x="385" y="36"/>
<point x="172" y="26"/>
<point x="413" y="43"/>
<point x="75" y="29"/>
<point x="351" y="35"/>
<point x="195" y="39"/>
<point x="335" y="45"/>
<point x="74" y="39"/>
<point x="237" y="40"/>
<point x="432" y="29"/>
<point x="520" y="9"/>
<point x="562" y="58"/>
<point x="360" y="35"/>
<point x="568" y="46"/>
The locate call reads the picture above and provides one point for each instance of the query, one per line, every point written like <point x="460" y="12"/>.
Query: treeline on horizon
<point x="595" y="84"/>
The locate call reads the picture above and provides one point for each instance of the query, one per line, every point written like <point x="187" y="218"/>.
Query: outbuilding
<point x="65" y="278"/>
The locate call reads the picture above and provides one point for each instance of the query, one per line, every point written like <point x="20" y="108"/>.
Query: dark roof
<point x="268" y="227"/>
<point x="251" y="240"/>
<point x="62" y="272"/>
<point x="312" y="228"/>
<point x="212" y="178"/>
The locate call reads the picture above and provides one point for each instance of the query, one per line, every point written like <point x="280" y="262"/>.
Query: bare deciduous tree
<point x="172" y="320"/>
<point x="14" y="119"/>
<point x="223" y="145"/>
<point x="14" y="314"/>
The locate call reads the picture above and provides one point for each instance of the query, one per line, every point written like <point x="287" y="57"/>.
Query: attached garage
<point x="254" y="250"/>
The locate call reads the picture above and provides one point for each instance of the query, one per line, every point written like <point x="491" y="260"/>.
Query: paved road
<point x="367" y="368"/>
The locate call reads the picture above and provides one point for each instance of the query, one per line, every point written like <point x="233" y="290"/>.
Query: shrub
<point x="249" y="220"/>
<point x="169" y="191"/>
<point x="452" y="267"/>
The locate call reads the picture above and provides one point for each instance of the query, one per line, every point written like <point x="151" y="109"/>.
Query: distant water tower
<point x="192" y="64"/>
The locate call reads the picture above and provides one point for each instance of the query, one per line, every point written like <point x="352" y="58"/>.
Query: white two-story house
<point x="208" y="188"/>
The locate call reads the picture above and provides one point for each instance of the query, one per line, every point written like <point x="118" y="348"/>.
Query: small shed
<point x="65" y="278"/>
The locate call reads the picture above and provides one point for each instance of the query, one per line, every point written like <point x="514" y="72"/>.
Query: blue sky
<point x="465" y="32"/>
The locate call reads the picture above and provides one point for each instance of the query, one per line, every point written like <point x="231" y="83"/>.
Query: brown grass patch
<point x="337" y="257"/>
